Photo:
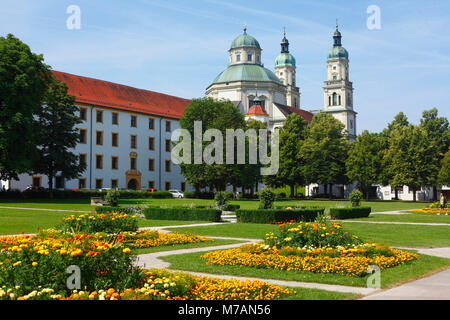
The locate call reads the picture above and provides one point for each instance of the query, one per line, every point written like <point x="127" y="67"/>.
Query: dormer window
<point x="249" y="57"/>
<point x="238" y="57"/>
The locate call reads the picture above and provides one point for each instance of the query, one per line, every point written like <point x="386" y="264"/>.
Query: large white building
<point x="125" y="138"/>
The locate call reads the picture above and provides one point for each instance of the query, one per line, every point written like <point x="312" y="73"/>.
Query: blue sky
<point x="179" y="46"/>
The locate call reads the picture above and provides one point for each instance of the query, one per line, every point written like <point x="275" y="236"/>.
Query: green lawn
<point x="389" y="277"/>
<point x="391" y="234"/>
<point x="84" y="204"/>
<point x="14" y="221"/>
<point x="414" y="217"/>
<point x="402" y="235"/>
<point x="316" y="294"/>
<point x="214" y="242"/>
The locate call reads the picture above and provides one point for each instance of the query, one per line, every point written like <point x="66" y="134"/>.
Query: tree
<point x="364" y="161"/>
<point x="324" y="151"/>
<point x="213" y="114"/>
<point x="291" y="171"/>
<point x="23" y="83"/>
<point x="444" y="173"/>
<point x="410" y="156"/>
<point x="57" y="134"/>
<point x="248" y="175"/>
<point x="385" y="178"/>
<point x="439" y="132"/>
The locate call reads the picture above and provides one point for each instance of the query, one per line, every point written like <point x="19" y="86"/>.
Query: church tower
<point x="338" y="90"/>
<point x="285" y="69"/>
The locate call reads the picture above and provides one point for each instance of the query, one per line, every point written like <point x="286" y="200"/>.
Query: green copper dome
<point x="246" y="72"/>
<point x="245" y="40"/>
<point x="337" y="53"/>
<point x="285" y="59"/>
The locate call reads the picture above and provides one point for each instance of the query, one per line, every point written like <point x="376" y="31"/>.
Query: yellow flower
<point x="34" y="264"/>
<point x="126" y="250"/>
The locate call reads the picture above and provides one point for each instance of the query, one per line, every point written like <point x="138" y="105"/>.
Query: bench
<point x="97" y="201"/>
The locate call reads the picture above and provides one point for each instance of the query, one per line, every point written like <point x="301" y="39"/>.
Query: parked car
<point x="177" y="194"/>
<point x="151" y="190"/>
<point x="31" y="189"/>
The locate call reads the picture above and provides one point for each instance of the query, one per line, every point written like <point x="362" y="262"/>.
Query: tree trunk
<point x="50" y="186"/>
<point x="414" y="195"/>
<point x="331" y="191"/>
<point x="434" y="193"/>
<point x="325" y="188"/>
<point x="396" y="193"/>
<point x="292" y="191"/>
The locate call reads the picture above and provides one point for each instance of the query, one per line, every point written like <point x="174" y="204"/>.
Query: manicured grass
<point x="317" y="294"/>
<point x="236" y="230"/>
<point x="390" y="234"/>
<point x="84" y="204"/>
<point x="389" y="277"/>
<point x="142" y="222"/>
<point x="213" y="242"/>
<point x="414" y="217"/>
<point x="14" y="221"/>
<point x="60" y="204"/>
<point x="402" y="235"/>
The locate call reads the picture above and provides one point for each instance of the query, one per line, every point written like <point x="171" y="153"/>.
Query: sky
<point x="399" y="58"/>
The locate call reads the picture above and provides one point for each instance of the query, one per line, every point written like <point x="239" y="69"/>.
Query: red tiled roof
<point x="257" y="110"/>
<point x="112" y="95"/>
<point x="286" y="110"/>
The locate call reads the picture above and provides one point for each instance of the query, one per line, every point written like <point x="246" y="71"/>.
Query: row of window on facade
<point x="115" y="119"/>
<point x="249" y="58"/>
<point x="115" y="162"/>
<point x="37" y="182"/>
<point x="115" y="140"/>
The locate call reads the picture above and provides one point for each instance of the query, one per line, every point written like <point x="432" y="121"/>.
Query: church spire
<point x="284" y="42"/>
<point x="337" y="36"/>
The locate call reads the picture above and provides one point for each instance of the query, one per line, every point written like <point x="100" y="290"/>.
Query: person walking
<point x="443" y="202"/>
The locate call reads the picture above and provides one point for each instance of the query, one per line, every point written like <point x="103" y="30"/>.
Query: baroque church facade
<point x="271" y="96"/>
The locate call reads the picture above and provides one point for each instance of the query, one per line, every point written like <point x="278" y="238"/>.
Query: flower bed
<point x="163" y="285"/>
<point x="320" y="247"/>
<point x="109" y="222"/>
<point x="349" y="262"/>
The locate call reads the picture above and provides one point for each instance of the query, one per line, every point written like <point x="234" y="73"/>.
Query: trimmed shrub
<point x="189" y="194"/>
<point x="112" y="197"/>
<point x="355" y="198"/>
<point x="221" y="198"/>
<point x="266" y="199"/>
<point x="350" y="213"/>
<point x="231" y="207"/>
<point x="278" y="215"/>
<point x="185" y="214"/>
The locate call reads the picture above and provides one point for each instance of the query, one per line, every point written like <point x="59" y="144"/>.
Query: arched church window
<point x="329" y="100"/>
<point x="238" y="57"/>
<point x="339" y="100"/>
<point x="334" y="99"/>
<point x="249" y="57"/>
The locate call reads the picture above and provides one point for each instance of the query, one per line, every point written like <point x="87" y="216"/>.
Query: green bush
<point x="221" y="198"/>
<point x="277" y="215"/>
<point x="350" y="213"/>
<point x="355" y="198"/>
<point x="231" y="207"/>
<point x="189" y="194"/>
<point x="266" y="198"/>
<point x="112" y="197"/>
<point x="185" y="214"/>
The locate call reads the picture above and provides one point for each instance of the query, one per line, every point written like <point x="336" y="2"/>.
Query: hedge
<point x="81" y="194"/>
<point x="185" y="214"/>
<point x="278" y="215"/>
<point x="350" y="213"/>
